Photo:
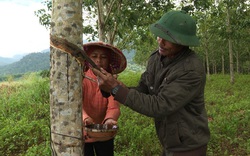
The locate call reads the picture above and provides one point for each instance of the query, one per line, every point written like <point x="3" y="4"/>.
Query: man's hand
<point x="106" y="80"/>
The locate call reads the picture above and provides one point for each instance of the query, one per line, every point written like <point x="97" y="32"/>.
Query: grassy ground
<point x="229" y="115"/>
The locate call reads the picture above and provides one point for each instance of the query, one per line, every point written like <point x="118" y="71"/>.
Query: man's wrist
<point x="115" y="90"/>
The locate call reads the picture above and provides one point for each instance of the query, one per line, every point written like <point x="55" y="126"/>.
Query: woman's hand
<point x="88" y="121"/>
<point x="110" y="122"/>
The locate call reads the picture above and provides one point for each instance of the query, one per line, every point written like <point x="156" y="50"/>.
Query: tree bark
<point x="66" y="81"/>
<point x="207" y="63"/>
<point x="237" y="62"/>
<point x="101" y="24"/>
<point x="222" y="64"/>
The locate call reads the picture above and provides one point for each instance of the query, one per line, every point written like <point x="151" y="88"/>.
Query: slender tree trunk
<point x="101" y="23"/>
<point x="230" y="45"/>
<point x="113" y="31"/>
<point x="215" y="67"/>
<point x="66" y="81"/>
<point x="107" y="34"/>
<point x="237" y="62"/>
<point x="207" y="38"/>
<point x="207" y="63"/>
<point x="231" y="61"/>
<point x="222" y="64"/>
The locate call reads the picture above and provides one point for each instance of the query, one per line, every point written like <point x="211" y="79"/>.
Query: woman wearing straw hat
<point x="171" y="90"/>
<point x="96" y="108"/>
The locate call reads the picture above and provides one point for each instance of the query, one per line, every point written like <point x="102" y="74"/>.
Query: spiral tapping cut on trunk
<point x="72" y="49"/>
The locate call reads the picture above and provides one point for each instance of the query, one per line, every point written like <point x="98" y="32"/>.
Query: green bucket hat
<point x="176" y="27"/>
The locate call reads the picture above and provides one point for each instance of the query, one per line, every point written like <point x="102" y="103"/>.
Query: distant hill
<point x="34" y="62"/>
<point x="5" y="61"/>
<point x="30" y="63"/>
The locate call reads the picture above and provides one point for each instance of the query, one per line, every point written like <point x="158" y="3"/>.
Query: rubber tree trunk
<point x="66" y="81"/>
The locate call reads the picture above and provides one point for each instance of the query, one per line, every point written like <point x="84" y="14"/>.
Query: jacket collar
<point x="167" y="60"/>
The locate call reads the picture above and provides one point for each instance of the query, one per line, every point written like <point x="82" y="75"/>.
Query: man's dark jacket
<point x="172" y="92"/>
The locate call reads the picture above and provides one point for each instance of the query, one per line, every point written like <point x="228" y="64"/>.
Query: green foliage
<point x="129" y="21"/>
<point x="45" y="73"/>
<point x="125" y="20"/>
<point x="44" y="14"/>
<point x="24" y="118"/>
<point x="13" y="76"/>
<point x="130" y="78"/>
<point x="136" y="135"/>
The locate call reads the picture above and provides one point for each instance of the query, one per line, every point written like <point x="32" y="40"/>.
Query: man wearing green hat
<point x="171" y="90"/>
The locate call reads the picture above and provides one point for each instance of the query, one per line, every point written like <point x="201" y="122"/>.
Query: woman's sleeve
<point x="113" y="110"/>
<point x="84" y="114"/>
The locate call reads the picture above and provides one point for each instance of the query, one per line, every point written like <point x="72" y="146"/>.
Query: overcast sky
<point x="20" y="31"/>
